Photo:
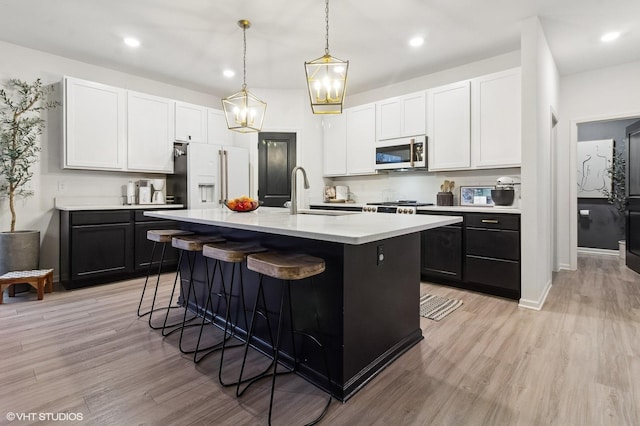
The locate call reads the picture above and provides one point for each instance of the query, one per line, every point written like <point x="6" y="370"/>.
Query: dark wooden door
<point x="633" y="192"/>
<point x="276" y="160"/>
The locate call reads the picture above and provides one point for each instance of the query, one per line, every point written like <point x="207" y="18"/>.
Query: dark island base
<point x="368" y="308"/>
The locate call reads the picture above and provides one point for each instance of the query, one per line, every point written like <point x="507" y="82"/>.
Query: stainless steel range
<point x="394" y="207"/>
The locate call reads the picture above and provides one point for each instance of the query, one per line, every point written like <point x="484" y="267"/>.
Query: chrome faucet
<point x="293" y="208"/>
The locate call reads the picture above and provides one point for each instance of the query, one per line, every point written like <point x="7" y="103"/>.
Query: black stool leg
<point x="178" y="325"/>
<point x="191" y="260"/>
<point x="217" y="346"/>
<point x="228" y="318"/>
<point x="144" y="288"/>
<point x="287" y="288"/>
<point x="251" y="380"/>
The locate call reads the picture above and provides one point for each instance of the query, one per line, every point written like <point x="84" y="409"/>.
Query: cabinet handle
<point x="226" y="175"/>
<point x="411" y="144"/>
<point x="490" y="221"/>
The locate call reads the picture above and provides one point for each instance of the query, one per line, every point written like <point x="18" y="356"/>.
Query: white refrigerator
<point x="207" y="175"/>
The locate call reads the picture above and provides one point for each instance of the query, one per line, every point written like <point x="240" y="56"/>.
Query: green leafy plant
<point x="20" y="125"/>
<point x="617" y="171"/>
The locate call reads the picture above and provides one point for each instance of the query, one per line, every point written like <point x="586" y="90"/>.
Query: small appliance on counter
<point x="131" y="193"/>
<point x="158" y="195"/>
<point x="144" y="191"/>
<point x="336" y="194"/>
<point x="506" y="192"/>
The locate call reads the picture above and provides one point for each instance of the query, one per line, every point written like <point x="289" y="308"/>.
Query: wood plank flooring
<point x="577" y="362"/>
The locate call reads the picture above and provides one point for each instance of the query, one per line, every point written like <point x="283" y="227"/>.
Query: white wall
<point x="289" y="111"/>
<point x="607" y="93"/>
<point x="540" y="88"/>
<point x="50" y="180"/>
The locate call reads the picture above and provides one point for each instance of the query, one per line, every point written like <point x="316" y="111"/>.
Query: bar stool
<point x="235" y="253"/>
<point x="162" y="236"/>
<point x="286" y="267"/>
<point x="191" y="245"/>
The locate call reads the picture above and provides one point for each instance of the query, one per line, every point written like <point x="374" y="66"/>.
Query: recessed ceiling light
<point x="416" y="41"/>
<point x="610" y="36"/>
<point x="228" y="73"/>
<point x="131" y="42"/>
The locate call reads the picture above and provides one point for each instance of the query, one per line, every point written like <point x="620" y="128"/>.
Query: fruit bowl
<point x="242" y="204"/>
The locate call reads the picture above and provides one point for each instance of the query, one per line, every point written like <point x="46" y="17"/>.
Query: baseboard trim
<point x="536" y="305"/>
<point x="564" y="267"/>
<point x="604" y="252"/>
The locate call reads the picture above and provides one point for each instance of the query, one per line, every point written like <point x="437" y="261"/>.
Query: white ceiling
<point x="190" y="42"/>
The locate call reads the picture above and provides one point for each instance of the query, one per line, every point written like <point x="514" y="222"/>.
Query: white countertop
<point x="470" y="209"/>
<point x="118" y="207"/>
<point x="353" y="228"/>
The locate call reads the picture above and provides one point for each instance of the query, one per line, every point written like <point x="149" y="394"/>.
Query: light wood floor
<point x="577" y="362"/>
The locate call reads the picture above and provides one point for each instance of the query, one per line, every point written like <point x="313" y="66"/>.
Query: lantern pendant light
<point x="326" y="78"/>
<point x="243" y="111"/>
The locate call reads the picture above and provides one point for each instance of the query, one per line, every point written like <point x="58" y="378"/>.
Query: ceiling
<point x="190" y="42"/>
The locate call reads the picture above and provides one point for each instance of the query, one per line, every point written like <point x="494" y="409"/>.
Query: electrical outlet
<point x="380" y="255"/>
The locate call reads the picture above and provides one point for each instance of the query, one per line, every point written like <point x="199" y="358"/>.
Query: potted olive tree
<point x="617" y="195"/>
<point x="21" y="104"/>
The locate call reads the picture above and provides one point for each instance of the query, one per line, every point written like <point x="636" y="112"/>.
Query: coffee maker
<point x="158" y="195"/>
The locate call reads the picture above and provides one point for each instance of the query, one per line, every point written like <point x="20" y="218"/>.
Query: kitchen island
<point x="368" y="295"/>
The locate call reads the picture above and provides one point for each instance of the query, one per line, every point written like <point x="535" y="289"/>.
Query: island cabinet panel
<point x="101" y="246"/>
<point x="368" y="310"/>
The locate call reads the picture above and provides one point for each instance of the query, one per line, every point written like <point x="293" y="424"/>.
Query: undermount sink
<point x="325" y="212"/>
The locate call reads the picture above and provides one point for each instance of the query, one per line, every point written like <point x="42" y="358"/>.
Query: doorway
<point x="276" y="160"/>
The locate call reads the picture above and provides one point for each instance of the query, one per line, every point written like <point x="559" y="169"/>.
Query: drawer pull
<point x="490" y="221"/>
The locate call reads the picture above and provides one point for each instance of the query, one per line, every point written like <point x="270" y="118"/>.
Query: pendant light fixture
<point x="326" y="78"/>
<point x="243" y="111"/>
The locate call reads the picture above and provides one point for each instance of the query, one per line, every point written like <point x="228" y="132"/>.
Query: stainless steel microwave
<point x="404" y="153"/>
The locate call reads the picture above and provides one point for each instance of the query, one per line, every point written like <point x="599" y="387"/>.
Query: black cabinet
<point x="441" y="252"/>
<point x="493" y="252"/>
<point x="482" y="253"/>
<point x="100" y="246"/>
<point x="144" y="247"/>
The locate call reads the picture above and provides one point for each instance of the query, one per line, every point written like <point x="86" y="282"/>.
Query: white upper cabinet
<point x="335" y="144"/>
<point x="449" y="127"/>
<point x="150" y="133"/>
<point x="217" y="131"/>
<point x="401" y="116"/>
<point x="361" y="138"/>
<point x="496" y="119"/>
<point x="94" y="125"/>
<point x="191" y="123"/>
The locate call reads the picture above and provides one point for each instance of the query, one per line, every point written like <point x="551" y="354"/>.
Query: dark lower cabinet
<point x="101" y="246"/>
<point x="441" y="252"/>
<point x="101" y="250"/>
<point x="144" y="247"/>
<point x="482" y="254"/>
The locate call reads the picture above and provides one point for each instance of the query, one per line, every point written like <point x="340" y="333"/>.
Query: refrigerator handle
<point x="221" y="200"/>
<point x="226" y="174"/>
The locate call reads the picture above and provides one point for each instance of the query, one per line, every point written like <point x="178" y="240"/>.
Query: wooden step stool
<point x="40" y="279"/>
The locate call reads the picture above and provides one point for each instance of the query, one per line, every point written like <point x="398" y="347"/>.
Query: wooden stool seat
<point x="285" y="266"/>
<point x="231" y="251"/>
<point x="165" y="235"/>
<point x="194" y="242"/>
<point x="40" y="279"/>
